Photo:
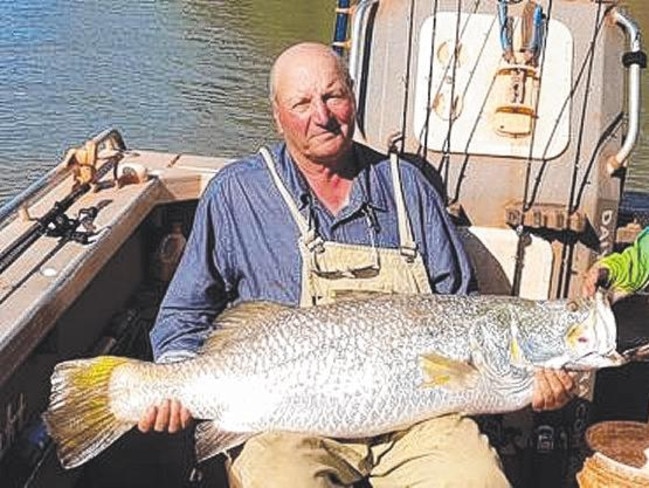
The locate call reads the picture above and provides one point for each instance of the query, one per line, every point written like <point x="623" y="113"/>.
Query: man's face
<point x="314" y="109"/>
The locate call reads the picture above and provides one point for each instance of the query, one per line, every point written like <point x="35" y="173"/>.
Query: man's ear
<point x="278" y="123"/>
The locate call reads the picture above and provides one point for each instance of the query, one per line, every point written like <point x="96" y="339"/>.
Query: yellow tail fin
<point x="79" y="418"/>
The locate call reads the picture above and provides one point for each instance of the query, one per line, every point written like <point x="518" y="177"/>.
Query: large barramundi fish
<point x="353" y="369"/>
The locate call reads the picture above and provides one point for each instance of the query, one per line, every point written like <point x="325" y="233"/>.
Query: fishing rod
<point x="568" y="244"/>
<point x="64" y="227"/>
<point x="534" y="31"/>
<point x="81" y="162"/>
<point x="39" y="228"/>
<point x="452" y="107"/>
<point x="429" y="88"/>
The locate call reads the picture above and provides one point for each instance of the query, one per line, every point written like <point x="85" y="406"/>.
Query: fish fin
<point x="79" y="418"/>
<point x="247" y="312"/>
<point x="515" y="352"/>
<point x="231" y="319"/>
<point x="441" y="371"/>
<point x="211" y="440"/>
<point x="358" y="295"/>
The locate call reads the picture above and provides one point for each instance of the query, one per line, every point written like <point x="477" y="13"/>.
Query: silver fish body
<point x="355" y="368"/>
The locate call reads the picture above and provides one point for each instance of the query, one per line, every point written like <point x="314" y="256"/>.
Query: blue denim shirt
<point x="243" y="244"/>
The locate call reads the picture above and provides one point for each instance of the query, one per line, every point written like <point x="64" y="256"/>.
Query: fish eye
<point x="572" y="306"/>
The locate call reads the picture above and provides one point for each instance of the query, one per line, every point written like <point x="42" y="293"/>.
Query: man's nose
<point x="321" y="113"/>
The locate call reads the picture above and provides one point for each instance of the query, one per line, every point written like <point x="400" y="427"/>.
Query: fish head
<point x="589" y="333"/>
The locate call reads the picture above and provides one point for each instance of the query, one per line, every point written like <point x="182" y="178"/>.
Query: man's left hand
<point x="553" y="388"/>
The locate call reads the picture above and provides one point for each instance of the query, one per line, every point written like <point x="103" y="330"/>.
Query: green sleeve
<point x="629" y="270"/>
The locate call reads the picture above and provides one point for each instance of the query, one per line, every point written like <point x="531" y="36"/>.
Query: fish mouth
<point x="596" y="360"/>
<point x="596" y="337"/>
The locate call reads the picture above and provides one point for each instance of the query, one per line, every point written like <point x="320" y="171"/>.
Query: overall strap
<point x="309" y="236"/>
<point x="407" y="245"/>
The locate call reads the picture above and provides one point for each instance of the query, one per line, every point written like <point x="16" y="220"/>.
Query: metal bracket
<point x="545" y="216"/>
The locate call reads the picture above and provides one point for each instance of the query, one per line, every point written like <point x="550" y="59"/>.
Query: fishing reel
<point x="66" y="228"/>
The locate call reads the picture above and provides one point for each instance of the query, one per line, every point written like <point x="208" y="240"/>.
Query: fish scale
<point x="356" y="368"/>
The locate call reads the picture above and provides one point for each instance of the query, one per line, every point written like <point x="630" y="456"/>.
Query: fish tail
<point x="79" y="418"/>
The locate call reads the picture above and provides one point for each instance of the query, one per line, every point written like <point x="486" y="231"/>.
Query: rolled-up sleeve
<point x="629" y="270"/>
<point x="448" y="263"/>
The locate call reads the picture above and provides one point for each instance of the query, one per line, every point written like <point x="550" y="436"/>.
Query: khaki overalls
<point x="446" y="451"/>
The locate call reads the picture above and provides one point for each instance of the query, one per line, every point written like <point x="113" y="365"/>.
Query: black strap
<point x="634" y="57"/>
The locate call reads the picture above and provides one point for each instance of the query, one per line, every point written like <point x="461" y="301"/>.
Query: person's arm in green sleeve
<point x="623" y="273"/>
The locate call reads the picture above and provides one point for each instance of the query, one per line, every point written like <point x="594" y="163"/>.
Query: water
<point x="171" y="75"/>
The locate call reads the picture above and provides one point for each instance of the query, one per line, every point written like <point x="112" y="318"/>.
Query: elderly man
<point x="310" y="218"/>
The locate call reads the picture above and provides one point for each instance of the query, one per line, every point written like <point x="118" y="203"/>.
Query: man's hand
<point x="170" y="416"/>
<point x="553" y="388"/>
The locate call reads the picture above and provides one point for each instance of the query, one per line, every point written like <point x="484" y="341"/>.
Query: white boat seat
<point x="493" y="255"/>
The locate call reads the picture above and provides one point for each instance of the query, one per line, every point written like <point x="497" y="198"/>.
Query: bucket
<point x="619" y="458"/>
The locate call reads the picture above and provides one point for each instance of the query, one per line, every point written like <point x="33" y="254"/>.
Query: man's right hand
<point x="170" y="416"/>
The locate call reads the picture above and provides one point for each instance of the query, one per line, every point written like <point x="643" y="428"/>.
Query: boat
<point x="525" y="113"/>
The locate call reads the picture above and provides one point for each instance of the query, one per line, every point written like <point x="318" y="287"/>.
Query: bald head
<point x="301" y="55"/>
<point x="313" y="104"/>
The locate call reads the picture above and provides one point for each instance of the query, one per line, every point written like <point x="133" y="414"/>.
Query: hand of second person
<point x="595" y="277"/>
<point x="553" y="388"/>
<point x="170" y="416"/>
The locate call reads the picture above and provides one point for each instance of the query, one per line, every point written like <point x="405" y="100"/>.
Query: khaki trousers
<point x="447" y="451"/>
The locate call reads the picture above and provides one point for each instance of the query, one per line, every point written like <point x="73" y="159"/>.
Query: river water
<point x="171" y="75"/>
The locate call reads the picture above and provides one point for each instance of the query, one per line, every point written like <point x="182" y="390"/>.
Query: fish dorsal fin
<point x="358" y="295"/>
<point x="210" y="440"/>
<point x="449" y="373"/>
<point x="516" y="353"/>
<point x="248" y="312"/>
<point x="230" y="321"/>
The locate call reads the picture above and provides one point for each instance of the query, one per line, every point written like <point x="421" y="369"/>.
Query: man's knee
<point x="284" y="459"/>
<point x="470" y="460"/>
<point x="264" y="461"/>
<point x="443" y="452"/>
